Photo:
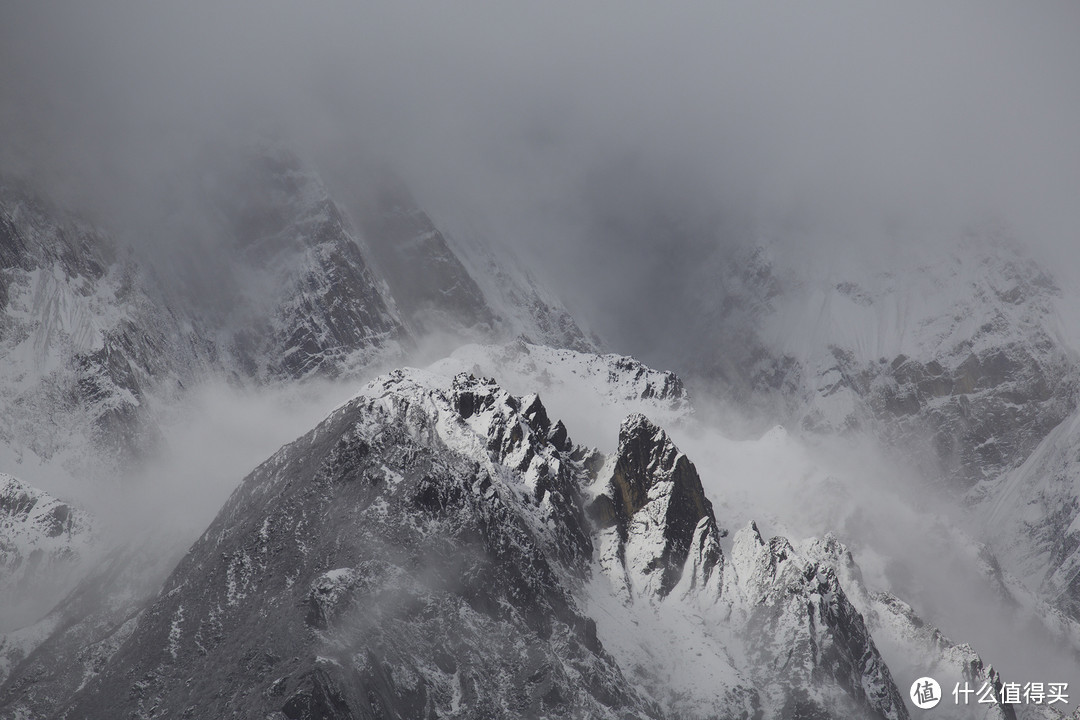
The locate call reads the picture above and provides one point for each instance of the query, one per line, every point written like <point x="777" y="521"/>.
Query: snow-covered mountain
<point x="441" y="547"/>
<point x="426" y="551"/>
<point x="1032" y="516"/>
<point x="954" y="350"/>
<point x="958" y="353"/>
<point x="83" y="341"/>
<point x="43" y="544"/>
<point x="448" y="545"/>
<point x="266" y="277"/>
<point x="306" y="301"/>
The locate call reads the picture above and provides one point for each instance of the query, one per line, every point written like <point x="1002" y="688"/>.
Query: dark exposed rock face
<point x="653" y="497"/>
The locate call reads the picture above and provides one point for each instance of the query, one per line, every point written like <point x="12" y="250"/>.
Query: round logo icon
<point x="925" y="693"/>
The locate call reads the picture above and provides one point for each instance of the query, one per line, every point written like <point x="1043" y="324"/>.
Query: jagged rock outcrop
<point x="912" y="646"/>
<point x="922" y="648"/>
<point x="587" y="390"/>
<point x="653" y="514"/>
<point x="410" y="557"/>
<point x="775" y="624"/>
<point x="796" y="620"/>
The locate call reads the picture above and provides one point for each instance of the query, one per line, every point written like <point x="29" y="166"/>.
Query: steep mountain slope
<point x="434" y="289"/>
<point x="413" y="555"/>
<point x="255" y="273"/>
<point x="449" y="287"/>
<point x="445" y="285"/>
<point x="523" y="305"/>
<point x="425" y="552"/>
<point x="286" y="294"/>
<point x="439" y="506"/>
<point x="958" y="354"/>
<point x="307" y="303"/>
<point x="57" y="655"/>
<point x="912" y="646"/>
<point x="95" y="345"/>
<point x="1031" y="518"/>
<point x="83" y="341"/>
<point x="772" y="630"/>
<point x="42" y="665"/>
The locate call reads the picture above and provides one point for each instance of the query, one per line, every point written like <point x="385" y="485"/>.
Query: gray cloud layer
<point x="608" y="140"/>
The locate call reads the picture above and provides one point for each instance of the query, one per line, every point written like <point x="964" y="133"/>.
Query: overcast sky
<point x="610" y="140"/>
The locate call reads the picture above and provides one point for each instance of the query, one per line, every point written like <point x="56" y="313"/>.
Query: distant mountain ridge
<point x="286" y="289"/>
<point x="957" y="350"/>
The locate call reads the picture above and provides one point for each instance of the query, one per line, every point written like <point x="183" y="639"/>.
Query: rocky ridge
<point x="452" y="513"/>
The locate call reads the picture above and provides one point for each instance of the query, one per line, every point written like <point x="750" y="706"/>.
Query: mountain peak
<point x="651" y="503"/>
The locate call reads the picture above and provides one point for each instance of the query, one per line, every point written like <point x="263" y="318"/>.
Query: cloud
<point x="830" y="107"/>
